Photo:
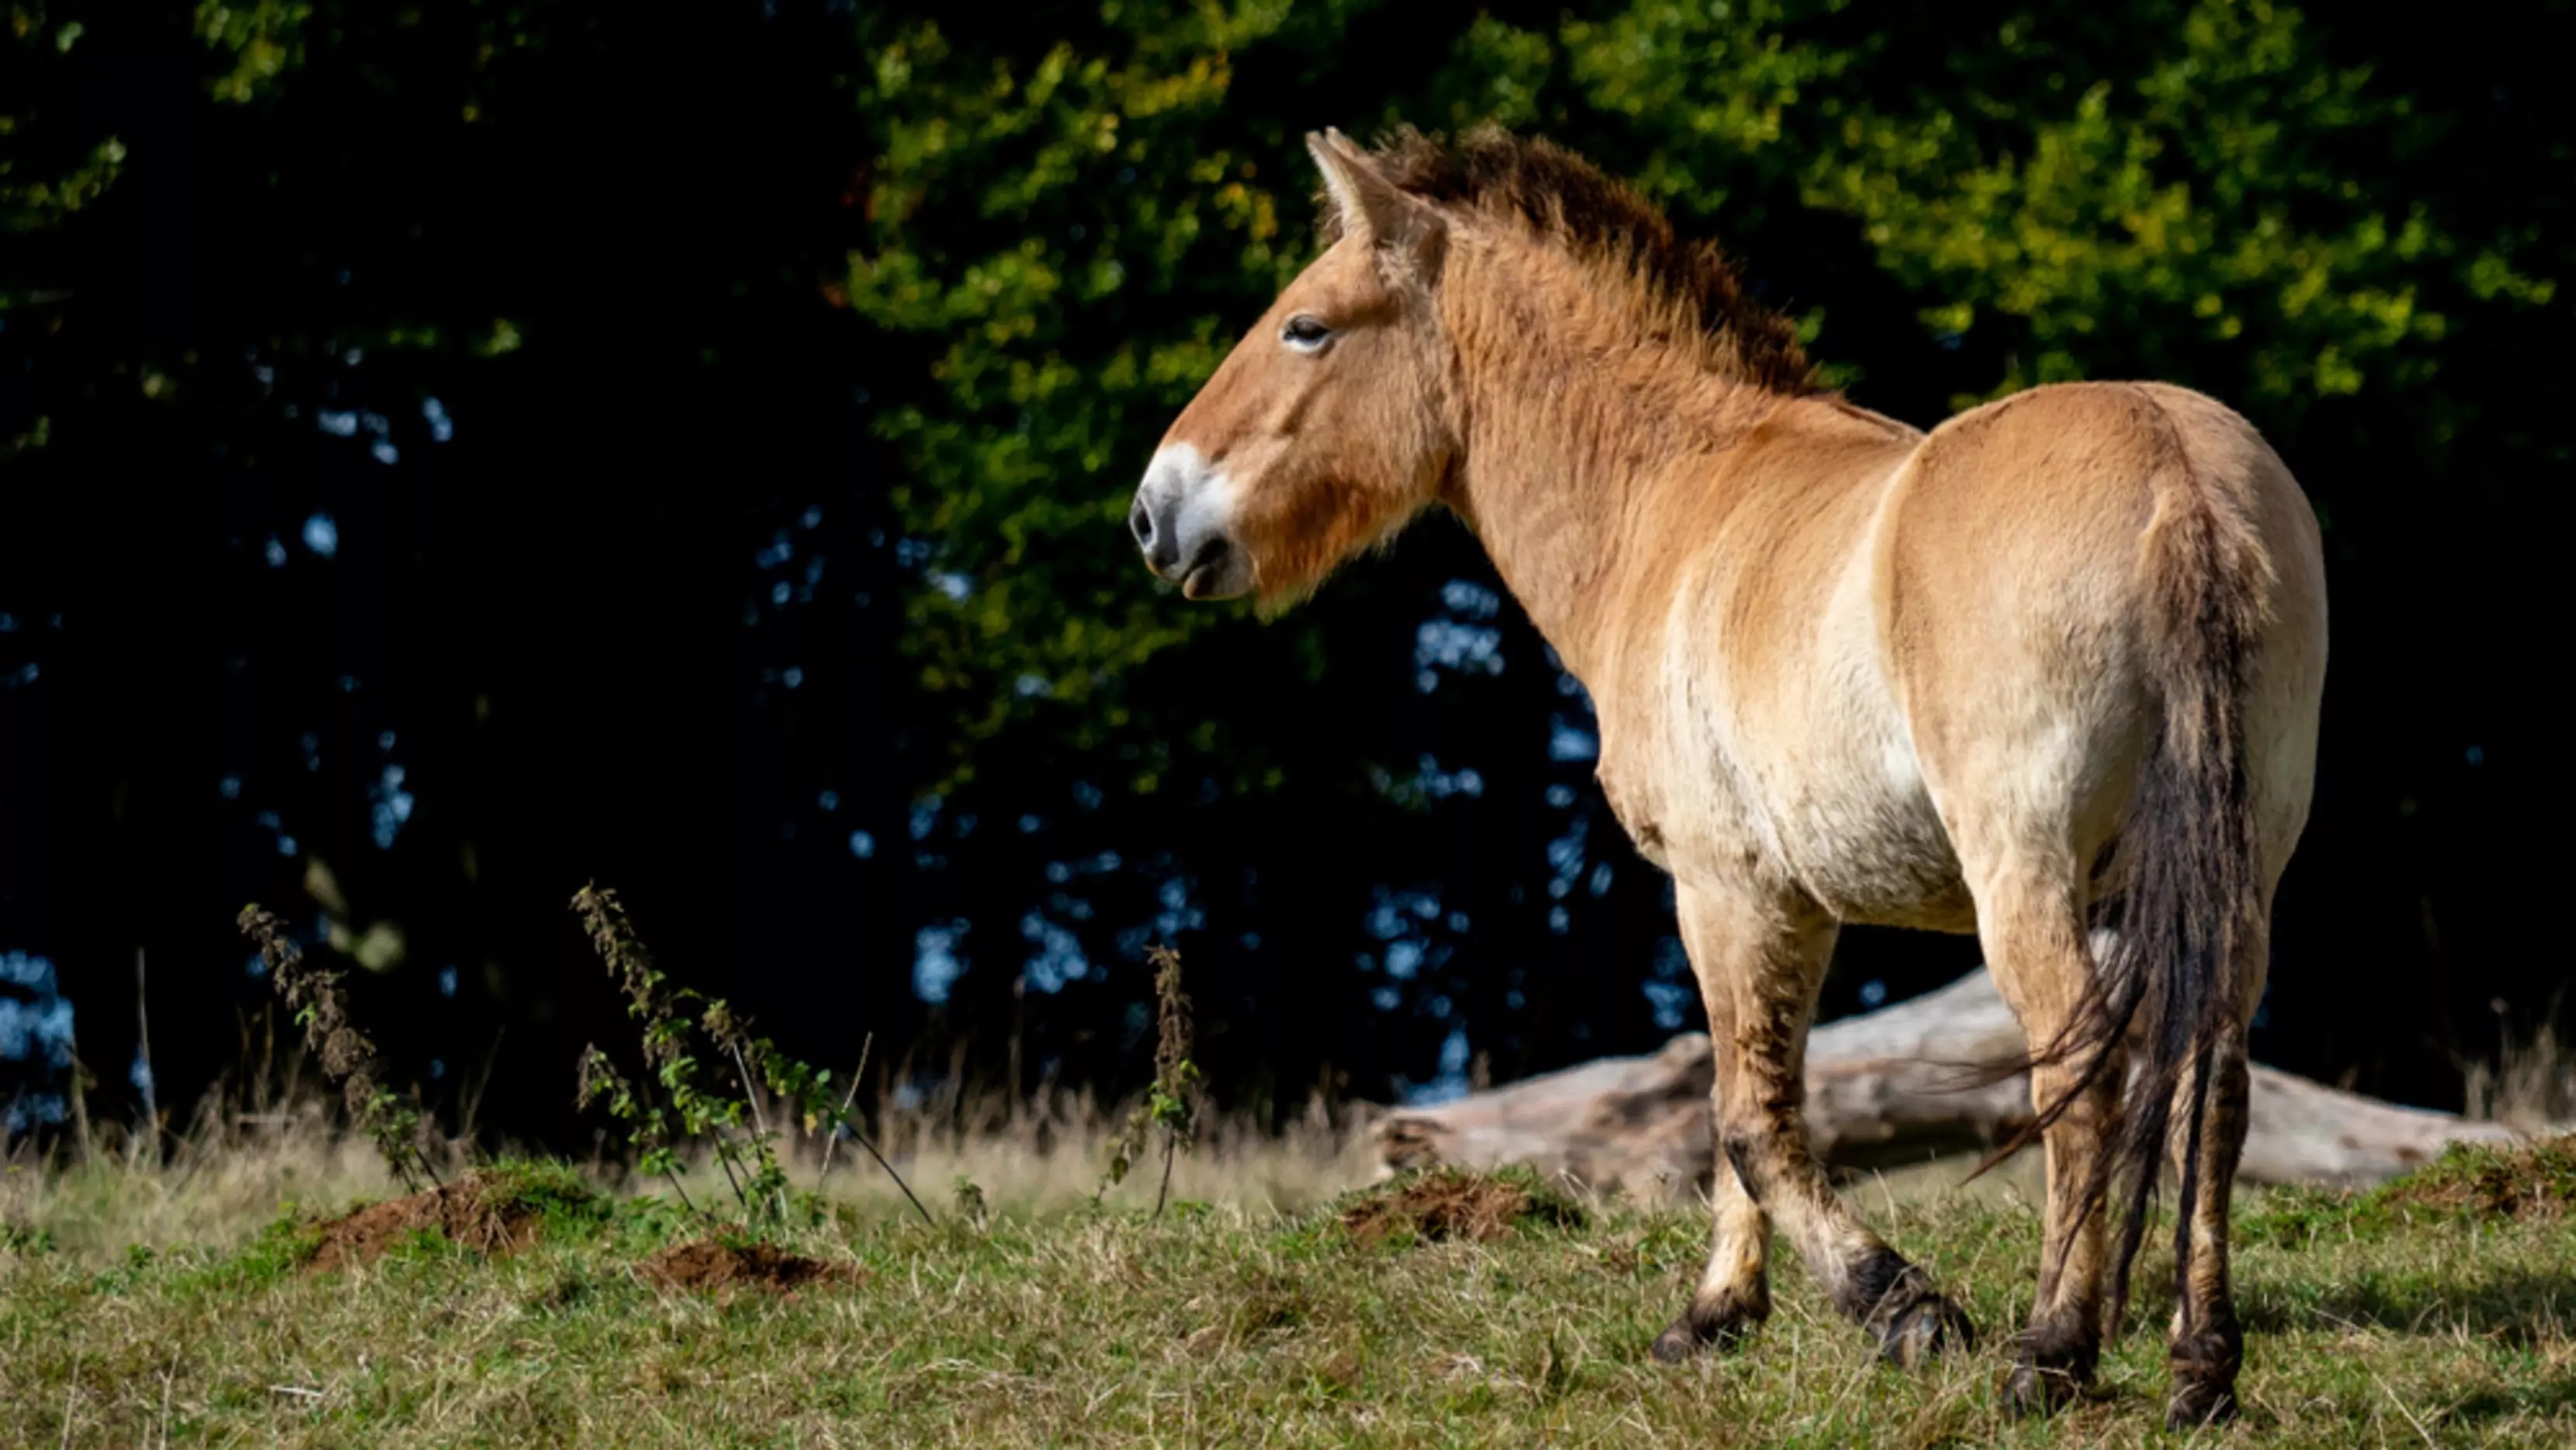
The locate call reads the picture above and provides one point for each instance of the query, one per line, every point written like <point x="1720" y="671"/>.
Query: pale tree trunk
<point x="1883" y="1089"/>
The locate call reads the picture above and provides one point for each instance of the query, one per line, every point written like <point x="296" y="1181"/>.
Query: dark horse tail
<point x="2181" y="893"/>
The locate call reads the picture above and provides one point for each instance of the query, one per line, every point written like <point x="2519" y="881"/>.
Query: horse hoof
<point x="1678" y="1343"/>
<point x="1924" y="1330"/>
<point x="2053" y="1363"/>
<point x="1694" y="1331"/>
<point x="2200" y="1402"/>
<point x="2204" y="1378"/>
<point x="2034" y="1390"/>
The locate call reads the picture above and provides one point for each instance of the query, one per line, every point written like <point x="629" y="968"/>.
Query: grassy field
<point x="144" y="1305"/>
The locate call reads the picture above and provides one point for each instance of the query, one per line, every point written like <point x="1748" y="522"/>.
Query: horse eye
<point x="1304" y="333"/>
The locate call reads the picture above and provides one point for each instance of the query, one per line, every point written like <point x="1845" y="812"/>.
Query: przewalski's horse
<point x="2052" y="665"/>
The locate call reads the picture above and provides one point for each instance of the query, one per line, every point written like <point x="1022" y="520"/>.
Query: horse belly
<point x="1851" y="814"/>
<point x="1798" y="757"/>
<point x="1841" y="809"/>
<point x="1865" y="840"/>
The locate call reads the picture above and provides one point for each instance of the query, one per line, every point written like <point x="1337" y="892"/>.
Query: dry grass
<point x="1227" y="1324"/>
<point x="247" y="1158"/>
<point x="179" y="1301"/>
<point x="2532" y="1085"/>
<point x="1048" y="1157"/>
<point x="215" y="1188"/>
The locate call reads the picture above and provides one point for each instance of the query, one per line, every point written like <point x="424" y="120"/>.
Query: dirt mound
<point x="2535" y="1180"/>
<point x="1449" y="1203"/>
<point x="714" y="1265"/>
<point x="477" y="1212"/>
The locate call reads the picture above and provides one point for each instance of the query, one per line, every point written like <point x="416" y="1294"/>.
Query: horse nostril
<point x="1140" y="521"/>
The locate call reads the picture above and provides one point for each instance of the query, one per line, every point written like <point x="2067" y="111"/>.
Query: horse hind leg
<point x="1759" y="965"/>
<point x="2207" y="1344"/>
<point x="2035" y="947"/>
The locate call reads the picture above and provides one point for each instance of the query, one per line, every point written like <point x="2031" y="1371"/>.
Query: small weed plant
<point x="680" y="1027"/>
<point x="1172" y="1103"/>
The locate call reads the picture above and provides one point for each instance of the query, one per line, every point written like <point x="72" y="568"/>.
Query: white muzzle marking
<point x="1183" y="521"/>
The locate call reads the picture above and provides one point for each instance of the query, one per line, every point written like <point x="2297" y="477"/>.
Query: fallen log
<point x="1883" y="1089"/>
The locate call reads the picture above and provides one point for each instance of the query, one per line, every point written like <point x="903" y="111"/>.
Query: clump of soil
<point x="480" y="1212"/>
<point x="2535" y="1180"/>
<point x="714" y="1265"/>
<point x="1449" y="1203"/>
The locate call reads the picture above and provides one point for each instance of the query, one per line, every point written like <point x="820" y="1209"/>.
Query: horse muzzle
<point x="1181" y="520"/>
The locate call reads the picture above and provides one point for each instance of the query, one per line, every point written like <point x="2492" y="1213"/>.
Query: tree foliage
<point x="903" y="296"/>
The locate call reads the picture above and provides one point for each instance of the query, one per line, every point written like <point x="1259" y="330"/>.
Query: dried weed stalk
<point x="348" y="1056"/>
<point x="1172" y="1103"/>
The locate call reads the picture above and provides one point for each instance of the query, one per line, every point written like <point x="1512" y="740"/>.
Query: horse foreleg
<point x="1759" y="963"/>
<point x="1734" y="1291"/>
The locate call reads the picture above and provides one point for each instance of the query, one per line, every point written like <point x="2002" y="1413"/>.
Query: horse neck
<point x="1571" y="415"/>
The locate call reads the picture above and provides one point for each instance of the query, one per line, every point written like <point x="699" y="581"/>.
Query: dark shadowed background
<point x="452" y="452"/>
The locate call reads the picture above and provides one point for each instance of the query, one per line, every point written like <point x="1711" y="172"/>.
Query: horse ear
<point x="1370" y="206"/>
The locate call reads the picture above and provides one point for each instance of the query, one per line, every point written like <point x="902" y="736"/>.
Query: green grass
<point x="2407" y="1315"/>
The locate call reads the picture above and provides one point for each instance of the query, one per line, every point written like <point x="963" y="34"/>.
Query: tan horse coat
<point x="2057" y="661"/>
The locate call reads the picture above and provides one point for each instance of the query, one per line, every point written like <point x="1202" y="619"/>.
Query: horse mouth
<point x="1206" y="576"/>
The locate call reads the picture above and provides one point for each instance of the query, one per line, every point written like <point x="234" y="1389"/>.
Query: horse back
<point x="1862" y="645"/>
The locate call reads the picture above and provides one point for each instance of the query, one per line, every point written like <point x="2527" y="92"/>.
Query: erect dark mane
<point x="1559" y="194"/>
